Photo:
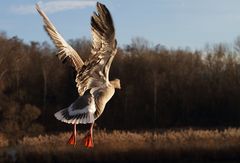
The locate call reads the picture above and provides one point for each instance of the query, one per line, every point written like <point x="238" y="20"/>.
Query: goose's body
<point x="87" y="108"/>
<point x="92" y="78"/>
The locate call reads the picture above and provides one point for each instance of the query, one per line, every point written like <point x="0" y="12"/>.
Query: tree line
<point x="161" y="87"/>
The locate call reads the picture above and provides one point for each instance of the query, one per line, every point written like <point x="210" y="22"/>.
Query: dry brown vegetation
<point x="169" y="145"/>
<point x="161" y="88"/>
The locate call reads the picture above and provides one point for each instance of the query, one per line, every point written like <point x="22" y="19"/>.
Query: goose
<point x="92" y="76"/>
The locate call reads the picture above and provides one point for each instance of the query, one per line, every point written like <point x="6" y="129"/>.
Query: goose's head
<point x="116" y="83"/>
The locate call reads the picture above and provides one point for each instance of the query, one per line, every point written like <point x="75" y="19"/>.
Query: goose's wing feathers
<point x="95" y="70"/>
<point x="65" y="51"/>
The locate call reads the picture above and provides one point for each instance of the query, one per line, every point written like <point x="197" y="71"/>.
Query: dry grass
<point x="170" y="145"/>
<point x="3" y="140"/>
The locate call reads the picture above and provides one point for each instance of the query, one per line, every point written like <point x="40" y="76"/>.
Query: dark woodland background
<point x="161" y="87"/>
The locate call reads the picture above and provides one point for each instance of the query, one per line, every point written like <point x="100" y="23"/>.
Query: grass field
<point x="179" y="145"/>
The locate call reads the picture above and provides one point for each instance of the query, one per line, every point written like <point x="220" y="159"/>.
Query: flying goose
<point x="92" y="79"/>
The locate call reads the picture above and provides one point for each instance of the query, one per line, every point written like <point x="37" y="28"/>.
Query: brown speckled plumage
<point x="92" y="79"/>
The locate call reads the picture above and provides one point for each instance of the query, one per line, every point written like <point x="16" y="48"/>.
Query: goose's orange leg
<point x="72" y="139"/>
<point x="88" y="140"/>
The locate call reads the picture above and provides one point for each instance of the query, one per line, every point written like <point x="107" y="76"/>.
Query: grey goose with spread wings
<point x="92" y="79"/>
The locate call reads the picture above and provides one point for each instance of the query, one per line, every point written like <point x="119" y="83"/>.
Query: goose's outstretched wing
<point x="95" y="71"/>
<point x="65" y="51"/>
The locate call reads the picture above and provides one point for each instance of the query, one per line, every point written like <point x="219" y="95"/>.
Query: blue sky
<point x="173" y="23"/>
